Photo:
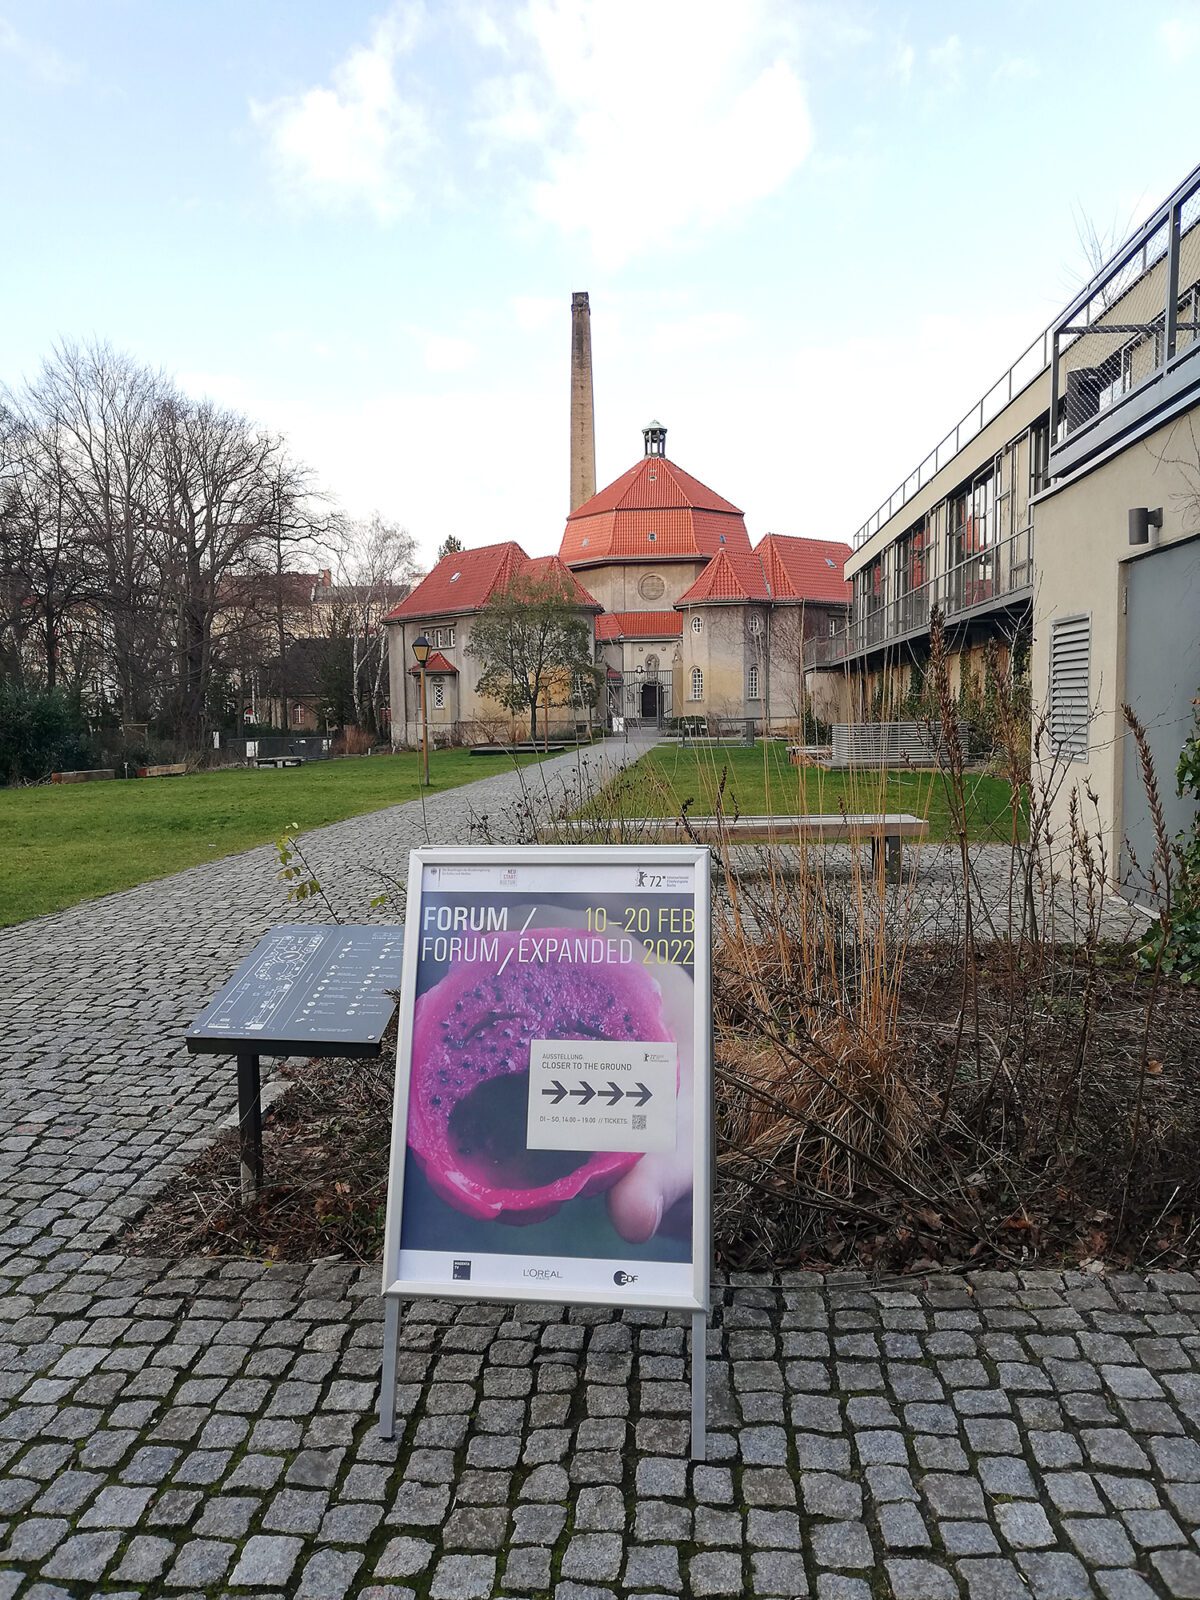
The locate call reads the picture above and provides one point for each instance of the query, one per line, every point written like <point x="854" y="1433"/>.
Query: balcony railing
<point x="1030" y="364"/>
<point x="1121" y="347"/>
<point x="1169" y="335"/>
<point x="987" y="578"/>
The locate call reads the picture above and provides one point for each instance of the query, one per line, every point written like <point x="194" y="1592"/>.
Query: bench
<point x="884" y="831"/>
<point x="172" y="769"/>
<point x="809" y="755"/>
<point x="279" y="761"/>
<point x="93" y="775"/>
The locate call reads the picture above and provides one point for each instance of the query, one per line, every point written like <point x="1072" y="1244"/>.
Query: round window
<point x="651" y="587"/>
<point x="756" y="624"/>
<point x="696" y="625"/>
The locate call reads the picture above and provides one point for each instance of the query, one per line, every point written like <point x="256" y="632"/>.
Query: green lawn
<point x="63" y="843"/>
<point x="762" y="782"/>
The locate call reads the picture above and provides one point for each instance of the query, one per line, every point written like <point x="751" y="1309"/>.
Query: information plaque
<point x="551" y="1138"/>
<point x="304" y="990"/>
<point x="305" y="986"/>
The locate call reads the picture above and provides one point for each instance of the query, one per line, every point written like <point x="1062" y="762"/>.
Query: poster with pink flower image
<point x="552" y="1126"/>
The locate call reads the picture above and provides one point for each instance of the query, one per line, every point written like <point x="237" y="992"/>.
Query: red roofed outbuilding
<point x="441" y="608"/>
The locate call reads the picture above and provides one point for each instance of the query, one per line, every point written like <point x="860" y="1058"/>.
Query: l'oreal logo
<point x="540" y="1273"/>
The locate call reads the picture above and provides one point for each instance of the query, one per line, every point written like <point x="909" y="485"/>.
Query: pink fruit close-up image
<point x="470" y="1076"/>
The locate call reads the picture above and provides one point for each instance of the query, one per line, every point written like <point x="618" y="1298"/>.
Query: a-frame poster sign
<point x="552" y="1130"/>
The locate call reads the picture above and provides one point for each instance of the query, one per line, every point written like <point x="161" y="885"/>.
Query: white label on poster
<point x="599" y="1094"/>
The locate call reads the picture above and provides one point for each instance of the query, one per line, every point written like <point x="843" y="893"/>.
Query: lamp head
<point x="420" y="649"/>
<point x="1141" y="520"/>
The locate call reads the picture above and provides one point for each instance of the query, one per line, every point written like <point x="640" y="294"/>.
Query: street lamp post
<point x="420" y="650"/>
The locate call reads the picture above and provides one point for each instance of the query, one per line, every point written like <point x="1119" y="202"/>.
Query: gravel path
<point x="205" y="1428"/>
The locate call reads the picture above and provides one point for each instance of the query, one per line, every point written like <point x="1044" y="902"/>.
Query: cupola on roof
<point x="654" y="512"/>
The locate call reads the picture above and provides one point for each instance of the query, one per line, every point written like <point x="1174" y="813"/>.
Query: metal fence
<point x="312" y="747"/>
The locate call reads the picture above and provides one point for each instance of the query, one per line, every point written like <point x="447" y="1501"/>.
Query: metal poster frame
<point x="692" y="858"/>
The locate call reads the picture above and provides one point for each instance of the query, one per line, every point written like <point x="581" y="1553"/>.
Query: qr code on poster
<point x="639" y="1122"/>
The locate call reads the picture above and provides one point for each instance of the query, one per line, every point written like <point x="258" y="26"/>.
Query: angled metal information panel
<point x="306" y="988"/>
<point x="551" y="1138"/>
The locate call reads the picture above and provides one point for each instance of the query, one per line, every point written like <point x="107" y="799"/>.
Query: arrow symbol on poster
<point x="642" y="1097"/>
<point x="556" y="1092"/>
<point x="614" y="1094"/>
<point x="584" y="1093"/>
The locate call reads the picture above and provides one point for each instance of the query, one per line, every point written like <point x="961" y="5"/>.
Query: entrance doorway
<point x="651" y="700"/>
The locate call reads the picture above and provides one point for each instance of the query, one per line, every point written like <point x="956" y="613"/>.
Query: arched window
<point x="696" y="625"/>
<point x="753" y="683"/>
<point x="697" y="684"/>
<point x="439" y="694"/>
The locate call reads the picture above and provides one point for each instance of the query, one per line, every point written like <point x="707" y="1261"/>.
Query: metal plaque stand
<point x="250" y="1126"/>
<point x="306" y="989"/>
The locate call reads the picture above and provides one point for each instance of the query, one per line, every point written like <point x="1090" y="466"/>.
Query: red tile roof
<point x="780" y="568"/>
<point x="436" y="663"/>
<point x="654" y="497"/>
<point x="730" y="576"/>
<point x="805" y="569"/>
<point x="541" y="568"/>
<point x="639" y="625"/>
<point x="466" y="580"/>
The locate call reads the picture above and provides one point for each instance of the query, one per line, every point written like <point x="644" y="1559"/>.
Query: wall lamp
<point x="1141" y="520"/>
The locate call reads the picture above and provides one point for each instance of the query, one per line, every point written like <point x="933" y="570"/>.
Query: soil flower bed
<point x="1020" y="1168"/>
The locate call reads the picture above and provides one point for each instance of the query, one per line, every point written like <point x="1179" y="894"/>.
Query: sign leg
<point x="699" y="1385"/>
<point x="387" y="1381"/>
<point x="250" y="1127"/>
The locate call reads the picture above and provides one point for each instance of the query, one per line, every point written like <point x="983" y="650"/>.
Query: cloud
<point x="903" y="62"/>
<point x="697" y="332"/>
<point x="358" y="141"/>
<point x="533" y="312"/>
<point x="39" y="61"/>
<point x="646" y="122"/>
<point x="946" y="63"/>
<point x="1181" y="36"/>
<point x="443" y="352"/>
<point x="1016" y="69"/>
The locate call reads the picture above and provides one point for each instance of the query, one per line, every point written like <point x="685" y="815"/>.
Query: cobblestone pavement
<point x="204" y="1428"/>
<point x="200" y="1428"/>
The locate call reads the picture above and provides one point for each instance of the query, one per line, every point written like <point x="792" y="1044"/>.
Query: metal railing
<point x="993" y="576"/>
<point x="1135" y="322"/>
<point x="1141" y="252"/>
<point x="1028" y="366"/>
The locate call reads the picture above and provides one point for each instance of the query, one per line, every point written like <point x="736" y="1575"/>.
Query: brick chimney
<point x="583" y="426"/>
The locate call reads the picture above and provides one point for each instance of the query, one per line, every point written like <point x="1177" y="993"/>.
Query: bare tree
<point x="99" y="408"/>
<point x="377" y="567"/>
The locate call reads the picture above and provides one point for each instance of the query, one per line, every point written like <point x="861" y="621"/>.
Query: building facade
<point x="688" y="619"/>
<point x="1017" y="528"/>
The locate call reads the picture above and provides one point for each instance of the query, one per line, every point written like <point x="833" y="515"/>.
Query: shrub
<point x="353" y="741"/>
<point x="41" y="731"/>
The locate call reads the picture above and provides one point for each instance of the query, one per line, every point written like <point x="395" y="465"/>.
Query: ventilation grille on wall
<point x="1070" y="649"/>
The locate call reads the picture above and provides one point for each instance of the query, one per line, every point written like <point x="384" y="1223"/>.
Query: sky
<point x="813" y="234"/>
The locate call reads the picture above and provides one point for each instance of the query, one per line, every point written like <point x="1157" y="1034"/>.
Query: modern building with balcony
<point x="956" y="536"/>
<point x="1061" y="516"/>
